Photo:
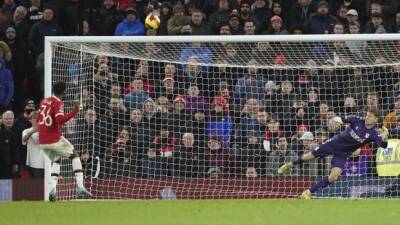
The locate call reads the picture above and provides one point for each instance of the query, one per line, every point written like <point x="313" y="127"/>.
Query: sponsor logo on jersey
<point x="356" y="137"/>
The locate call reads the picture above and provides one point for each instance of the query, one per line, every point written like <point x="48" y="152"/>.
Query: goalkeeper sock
<point x="77" y="169"/>
<point x="298" y="161"/>
<point x="320" y="184"/>
<point x="55" y="172"/>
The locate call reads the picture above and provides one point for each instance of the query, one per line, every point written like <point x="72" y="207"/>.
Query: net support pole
<point x="47" y="92"/>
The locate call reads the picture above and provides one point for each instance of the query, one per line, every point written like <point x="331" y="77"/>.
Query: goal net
<point x="214" y="117"/>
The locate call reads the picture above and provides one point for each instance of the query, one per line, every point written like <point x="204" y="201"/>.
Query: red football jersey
<point x="50" y="119"/>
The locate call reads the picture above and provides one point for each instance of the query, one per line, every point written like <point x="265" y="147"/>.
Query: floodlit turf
<point x="219" y="212"/>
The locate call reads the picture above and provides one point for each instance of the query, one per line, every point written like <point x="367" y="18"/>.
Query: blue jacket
<point x="126" y="28"/>
<point x="243" y="91"/>
<point x="6" y="85"/>
<point x="222" y="128"/>
<point x="318" y="24"/>
<point x="134" y="100"/>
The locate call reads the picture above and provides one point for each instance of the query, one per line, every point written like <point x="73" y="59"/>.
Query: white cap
<point x="352" y="12"/>
<point x="270" y="85"/>
<point x="307" y="136"/>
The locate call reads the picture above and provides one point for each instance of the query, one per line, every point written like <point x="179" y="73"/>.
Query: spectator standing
<point x="8" y="153"/>
<point x="131" y="26"/>
<point x="280" y="156"/>
<point x="136" y="98"/>
<point x="105" y="19"/>
<point x="321" y="22"/>
<point x="220" y="123"/>
<point x="179" y="19"/>
<point x="35" y="156"/>
<point x="45" y="27"/>
<point x="218" y="18"/>
<point x="19" y="22"/>
<point x="35" y="13"/>
<point x="6" y="86"/>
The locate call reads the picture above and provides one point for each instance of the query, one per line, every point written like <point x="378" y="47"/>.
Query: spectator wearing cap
<point x="352" y="18"/>
<point x="177" y="20"/>
<point x="105" y="19"/>
<point x="219" y="17"/>
<point x="22" y="122"/>
<point x="299" y="117"/>
<point x="131" y="26"/>
<point x="219" y="122"/>
<point x="234" y="23"/>
<point x="224" y="95"/>
<point x="168" y="88"/>
<point x="261" y="13"/>
<point x="251" y="85"/>
<point x="276" y="26"/>
<point x="321" y="22"/>
<point x="195" y="101"/>
<point x="376" y="25"/>
<point x="283" y="154"/>
<point x="358" y="5"/>
<point x="308" y="144"/>
<point x="199" y="23"/>
<point x="19" y="52"/>
<point x="7" y="84"/>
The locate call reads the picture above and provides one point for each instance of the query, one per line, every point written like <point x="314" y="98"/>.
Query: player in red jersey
<point x="51" y="117"/>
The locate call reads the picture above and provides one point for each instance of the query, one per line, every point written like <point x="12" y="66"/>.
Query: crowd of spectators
<point x="153" y="119"/>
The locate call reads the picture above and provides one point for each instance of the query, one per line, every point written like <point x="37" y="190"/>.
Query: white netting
<point x="239" y="105"/>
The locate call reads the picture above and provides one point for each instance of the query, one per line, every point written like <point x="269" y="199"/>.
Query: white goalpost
<point x="211" y="117"/>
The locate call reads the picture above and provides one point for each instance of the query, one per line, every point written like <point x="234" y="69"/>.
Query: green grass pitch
<point x="219" y="212"/>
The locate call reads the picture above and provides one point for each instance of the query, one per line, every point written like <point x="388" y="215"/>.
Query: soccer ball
<point x="152" y="21"/>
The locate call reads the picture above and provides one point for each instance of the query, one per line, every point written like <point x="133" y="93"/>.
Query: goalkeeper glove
<point x="384" y="134"/>
<point x="338" y="120"/>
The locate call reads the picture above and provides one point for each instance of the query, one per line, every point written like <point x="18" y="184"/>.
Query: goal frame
<point x="49" y="40"/>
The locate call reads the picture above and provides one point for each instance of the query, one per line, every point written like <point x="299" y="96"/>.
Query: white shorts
<point x="62" y="148"/>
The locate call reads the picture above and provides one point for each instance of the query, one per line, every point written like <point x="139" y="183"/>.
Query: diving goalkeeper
<point x="360" y="132"/>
